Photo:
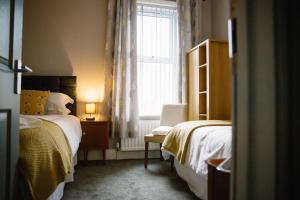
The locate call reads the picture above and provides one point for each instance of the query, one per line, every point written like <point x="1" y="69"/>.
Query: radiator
<point x="137" y="144"/>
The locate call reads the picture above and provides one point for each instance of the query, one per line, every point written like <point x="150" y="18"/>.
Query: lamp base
<point x="90" y="118"/>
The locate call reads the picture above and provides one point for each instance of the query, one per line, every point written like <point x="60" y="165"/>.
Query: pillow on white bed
<point x="57" y="102"/>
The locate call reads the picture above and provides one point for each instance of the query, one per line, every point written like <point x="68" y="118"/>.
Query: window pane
<point x="157" y="58"/>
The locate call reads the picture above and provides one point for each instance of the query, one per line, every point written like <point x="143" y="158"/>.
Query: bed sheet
<point x="206" y="143"/>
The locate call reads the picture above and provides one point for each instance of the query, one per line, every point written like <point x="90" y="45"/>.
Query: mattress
<point x="206" y="143"/>
<point x="72" y="130"/>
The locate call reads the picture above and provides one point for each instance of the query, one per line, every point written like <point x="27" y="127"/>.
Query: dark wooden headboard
<point x="63" y="84"/>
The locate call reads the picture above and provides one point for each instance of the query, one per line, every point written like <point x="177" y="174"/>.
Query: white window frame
<point x="163" y="3"/>
<point x="152" y="59"/>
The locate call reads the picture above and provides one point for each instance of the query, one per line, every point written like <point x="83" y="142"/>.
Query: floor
<point x="127" y="180"/>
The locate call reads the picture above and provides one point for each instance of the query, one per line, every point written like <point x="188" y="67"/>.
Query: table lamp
<point x="90" y="108"/>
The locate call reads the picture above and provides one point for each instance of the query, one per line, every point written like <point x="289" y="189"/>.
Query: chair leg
<point x="172" y="163"/>
<point x="146" y="154"/>
<point x="103" y="156"/>
<point x="161" y="157"/>
<point x="85" y="155"/>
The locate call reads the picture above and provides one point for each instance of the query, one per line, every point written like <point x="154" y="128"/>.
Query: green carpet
<point x="127" y="180"/>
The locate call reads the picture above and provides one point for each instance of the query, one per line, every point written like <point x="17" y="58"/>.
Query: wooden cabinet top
<point x="95" y="121"/>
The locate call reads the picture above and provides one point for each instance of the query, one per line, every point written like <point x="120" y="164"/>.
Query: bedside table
<point x="95" y="135"/>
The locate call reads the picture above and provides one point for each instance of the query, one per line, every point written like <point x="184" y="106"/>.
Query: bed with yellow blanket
<point x="194" y="142"/>
<point x="47" y="148"/>
<point x="45" y="158"/>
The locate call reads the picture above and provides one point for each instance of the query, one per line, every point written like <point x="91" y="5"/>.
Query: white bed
<point x="72" y="129"/>
<point x="206" y="143"/>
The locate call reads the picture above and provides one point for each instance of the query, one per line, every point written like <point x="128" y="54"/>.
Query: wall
<point x="214" y="15"/>
<point x="219" y="16"/>
<point x="67" y="38"/>
<point x="206" y="20"/>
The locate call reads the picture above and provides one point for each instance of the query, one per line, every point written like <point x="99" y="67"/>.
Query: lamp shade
<point x="90" y="108"/>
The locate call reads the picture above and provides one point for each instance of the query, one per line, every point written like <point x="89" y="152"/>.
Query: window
<point x="157" y="50"/>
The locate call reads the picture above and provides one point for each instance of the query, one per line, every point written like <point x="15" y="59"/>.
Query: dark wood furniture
<point x="218" y="181"/>
<point x="95" y="136"/>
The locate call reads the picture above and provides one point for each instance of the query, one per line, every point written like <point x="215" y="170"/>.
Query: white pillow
<point x="56" y="103"/>
<point x="161" y="130"/>
<point x="58" y="111"/>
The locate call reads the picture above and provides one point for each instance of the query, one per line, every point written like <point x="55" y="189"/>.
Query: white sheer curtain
<point x="157" y="61"/>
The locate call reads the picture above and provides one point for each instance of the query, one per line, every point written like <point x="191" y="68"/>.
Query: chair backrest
<point x="173" y="114"/>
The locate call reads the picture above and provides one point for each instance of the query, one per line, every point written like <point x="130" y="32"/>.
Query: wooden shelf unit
<point x="209" y="81"/>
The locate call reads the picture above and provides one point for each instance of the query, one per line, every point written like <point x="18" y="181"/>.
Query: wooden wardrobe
<point x="209" y="81"/>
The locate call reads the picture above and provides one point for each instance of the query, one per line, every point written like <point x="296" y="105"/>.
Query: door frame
<point x="254" y="122"/>
<point x="9" y="99"/>
<point x="266" y="138"/>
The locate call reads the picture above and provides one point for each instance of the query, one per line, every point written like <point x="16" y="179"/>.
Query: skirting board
<point x="113" y="154"/>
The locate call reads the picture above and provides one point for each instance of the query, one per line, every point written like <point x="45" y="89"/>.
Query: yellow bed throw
<point x="45" y="158"/>
<point x="178" y="139"/>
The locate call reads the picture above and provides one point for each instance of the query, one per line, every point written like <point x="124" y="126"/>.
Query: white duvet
<point x="207" y="143"/>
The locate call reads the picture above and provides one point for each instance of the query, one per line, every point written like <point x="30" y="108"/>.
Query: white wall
<point x="220" y="15"/>
<point x="67" y="38"/>
<point x="214" y="15"/>
<point x="206" y="19"/>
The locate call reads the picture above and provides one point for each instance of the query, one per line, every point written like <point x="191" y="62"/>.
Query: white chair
<point x="171" y="115"/>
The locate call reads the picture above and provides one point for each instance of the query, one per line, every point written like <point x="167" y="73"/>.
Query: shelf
<point x="209" y="84"/>
<point x="202" y="66"/>
<point x="202" y="117"/>
<point x="202" y="79"/>
<point x="202" y="103"/>
<point x="202" y="55"/>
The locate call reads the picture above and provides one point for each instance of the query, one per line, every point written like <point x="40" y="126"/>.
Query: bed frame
<point x="63" y="84"/>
